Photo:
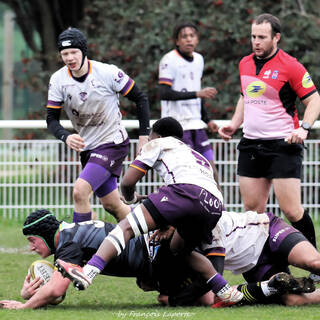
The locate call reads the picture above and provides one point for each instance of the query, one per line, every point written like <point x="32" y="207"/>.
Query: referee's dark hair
<point x="181" y="26"/>
<point x="167" y="127"/>
<point x="269" y="18"/>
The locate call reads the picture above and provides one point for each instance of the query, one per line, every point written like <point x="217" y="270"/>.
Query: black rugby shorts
<point x="269" y="159"/>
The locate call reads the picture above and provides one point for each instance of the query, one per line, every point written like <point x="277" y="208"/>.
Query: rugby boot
<point x="287" y="283"/>
<point x="227" y="297"/>
<point x="74" y="273"/>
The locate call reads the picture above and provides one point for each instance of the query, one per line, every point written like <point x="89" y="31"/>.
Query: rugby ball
<point x="44" y="270"/>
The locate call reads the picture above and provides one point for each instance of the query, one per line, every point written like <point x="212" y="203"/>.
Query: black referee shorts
<point x="269" y="159"/>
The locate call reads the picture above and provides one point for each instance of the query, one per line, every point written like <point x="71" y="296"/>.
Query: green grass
<point x="116" y="298"/>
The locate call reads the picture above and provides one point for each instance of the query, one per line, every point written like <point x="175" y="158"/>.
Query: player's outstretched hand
<point x="226" y="132"/>
<point x="297" y="136"/>
<point x="75" y="142"/>
<point x="212" y="126"/>
<point x="208" y="92"/>
<point x="11" y="304"/>
<point x="162" y="234"/>
<point x="30" y="287"/>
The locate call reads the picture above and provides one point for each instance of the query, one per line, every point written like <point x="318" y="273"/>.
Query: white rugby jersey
<point x="182" y="75"/>
<point x="240" y="237"/>
<point x="177" y="163"/>
<point x="92" y="105"/>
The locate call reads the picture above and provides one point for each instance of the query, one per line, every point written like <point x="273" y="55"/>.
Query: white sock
<point x="267" y="291"/>
<point x="90" y="271"/>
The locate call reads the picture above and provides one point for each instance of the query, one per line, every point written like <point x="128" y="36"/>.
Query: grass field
<point x="116" y="298"/>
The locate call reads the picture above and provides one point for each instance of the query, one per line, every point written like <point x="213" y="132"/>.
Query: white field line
<point x="16" y="250"/>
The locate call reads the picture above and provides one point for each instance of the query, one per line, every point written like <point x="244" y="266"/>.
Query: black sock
<point x="252" y="293"/>
<point x="306" y="227"/>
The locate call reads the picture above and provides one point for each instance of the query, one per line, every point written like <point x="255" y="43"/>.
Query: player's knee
<point x="116" y="208"/>
<point x="293" y="215"/>
<point x="80" y="195"/>
<point x="137" y="221"/>
<point x="314" y="265"/>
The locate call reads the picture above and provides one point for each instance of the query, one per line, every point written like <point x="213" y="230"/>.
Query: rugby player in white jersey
<point x="190" y="201"/>
<point x="180" y="73"/>
<point x="260" y="247"/>
<point x="88" y="91"/>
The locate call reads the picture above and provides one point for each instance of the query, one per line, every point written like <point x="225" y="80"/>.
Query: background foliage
<point x="135" y="34"/>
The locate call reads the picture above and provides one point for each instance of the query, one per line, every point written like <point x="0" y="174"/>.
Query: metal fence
<point x="41" y="173"/>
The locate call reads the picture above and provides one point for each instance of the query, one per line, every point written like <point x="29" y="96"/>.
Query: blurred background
<point x="134" y="35"/>
<point x="38" y="171"/>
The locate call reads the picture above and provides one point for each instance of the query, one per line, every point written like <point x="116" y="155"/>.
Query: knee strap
<point x="116" y="237"/>
<point x="137" y="221"/>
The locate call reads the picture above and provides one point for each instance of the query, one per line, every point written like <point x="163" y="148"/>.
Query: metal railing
<point x="40" y="174"/>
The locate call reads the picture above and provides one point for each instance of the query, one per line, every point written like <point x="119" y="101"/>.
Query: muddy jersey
<point x="79" y="241"/>
<point x="240" y="237"/>
<point x="92" y="105"/>
<point x="270" y="93"/>
<point x="177" y="163"/>
<point x="182" y="75"/>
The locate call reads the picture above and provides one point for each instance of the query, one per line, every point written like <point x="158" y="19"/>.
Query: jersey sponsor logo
<point x="307" y="81"/>
<point x="99" y="156"/>
<point x="255" y="89"/>
<point x="276" y="236"/>
<point x="66" y="43"/>
<point x="120" y="77"/>
<point x="83" y="96"/>
<point x="275" y="74"/>
<point x="163" y="66"/>
<point x="164" y="199"/>
<point x="267" y="74"/>
<point x="75" y="112"/>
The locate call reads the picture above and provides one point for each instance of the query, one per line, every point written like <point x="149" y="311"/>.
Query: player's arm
<point x="143" y="113"/>
<point x="74" y="141"/>
<point x="55" y="288"/>
<point x="311" y="114"/>
<point x="226" y="132"/>
<point x="212" y="126"/>
<point x="167" y="93"/>
<point x="54" y="126"/>
<point x="128" y="183"/>
<point x="312" y="111"/>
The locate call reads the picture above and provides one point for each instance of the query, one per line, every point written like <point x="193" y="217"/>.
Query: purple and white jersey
<point x="240" y="237"/>
<point x="92" y="105"/>
<point x="182" y="75"/>
<point x="177" y="163"/>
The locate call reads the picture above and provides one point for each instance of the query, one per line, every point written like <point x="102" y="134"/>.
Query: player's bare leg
<point x="254" y="193"/>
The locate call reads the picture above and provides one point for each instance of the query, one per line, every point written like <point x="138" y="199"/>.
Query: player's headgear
<point x="181" y="26"/>
<point x="43" y="224"/>
<point x="73" y="38"/>
<point x="168" y="126"/>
